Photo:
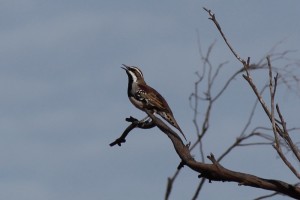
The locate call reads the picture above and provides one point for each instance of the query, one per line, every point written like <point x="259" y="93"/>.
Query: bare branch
<point x="134" y="123"/>
<point x="286" y="135"/>
<point x="170" y="184"/>
<point x="272" y="194"/>
<point x="199" y="188"/>
<point x="216" y="172"/>
<point x="267" y="196"/>
<point x="213" y="18"/>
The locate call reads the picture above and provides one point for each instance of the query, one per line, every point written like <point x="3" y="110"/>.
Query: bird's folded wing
<point x="154" y="99"/>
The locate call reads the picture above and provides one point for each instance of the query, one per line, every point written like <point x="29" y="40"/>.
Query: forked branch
<point x="216" y="172"/>
<point x="279" y="129"/>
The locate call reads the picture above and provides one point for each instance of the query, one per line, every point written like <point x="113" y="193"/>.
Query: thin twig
<point x="286" y="136"/>
<point x="213" y="18"/>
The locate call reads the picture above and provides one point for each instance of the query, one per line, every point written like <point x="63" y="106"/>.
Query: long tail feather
<point x="171" y="120"/>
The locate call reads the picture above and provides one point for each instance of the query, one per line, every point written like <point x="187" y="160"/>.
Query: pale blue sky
<point x="63" y="94"/>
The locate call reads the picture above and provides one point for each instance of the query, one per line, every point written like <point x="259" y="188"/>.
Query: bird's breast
<point x="138" y="104"/>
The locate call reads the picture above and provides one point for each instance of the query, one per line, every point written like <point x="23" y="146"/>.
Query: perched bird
<point x="145" y="97"/>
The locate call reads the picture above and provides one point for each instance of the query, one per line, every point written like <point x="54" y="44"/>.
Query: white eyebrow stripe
<point x="139" y="71"/>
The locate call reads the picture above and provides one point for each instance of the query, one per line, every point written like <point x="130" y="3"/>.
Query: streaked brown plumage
<point x="144" y="97"/>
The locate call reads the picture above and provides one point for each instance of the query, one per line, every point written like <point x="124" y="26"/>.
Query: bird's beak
<point x="125" y="67"/>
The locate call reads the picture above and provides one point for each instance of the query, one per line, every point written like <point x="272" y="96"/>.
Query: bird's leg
<point x="145" y="120"/>
<point x="146" y="123"/>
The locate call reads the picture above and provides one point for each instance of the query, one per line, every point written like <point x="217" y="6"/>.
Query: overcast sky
<point x="63" y="94"/>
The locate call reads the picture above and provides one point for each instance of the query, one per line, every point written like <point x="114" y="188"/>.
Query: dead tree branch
<point x="277" y="130"/>
<point x="134" y="123"/>
<point x="216" y="172"/>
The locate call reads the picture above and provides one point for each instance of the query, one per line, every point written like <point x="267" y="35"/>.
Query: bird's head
<point x="134" y="73"/>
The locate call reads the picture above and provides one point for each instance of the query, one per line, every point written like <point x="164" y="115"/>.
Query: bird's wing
<point x="153" y="98"/>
